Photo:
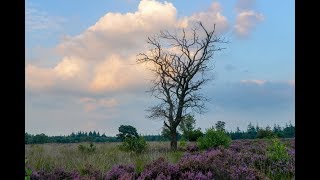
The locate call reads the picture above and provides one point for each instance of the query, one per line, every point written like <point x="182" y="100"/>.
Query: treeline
<point x="81" y="137"/>
<point x="251" y="133"/>
<point x="257" y="132"/>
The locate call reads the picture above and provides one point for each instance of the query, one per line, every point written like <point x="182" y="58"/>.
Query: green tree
<point x="251" y="131"/>
<point x="220" y="126"/>
<point x="187" y="125"/>
<point x="127" y="131"/>
<point x="194" y="134"/>
<point x="41" y="138"/>
<point x="289" y="131"/>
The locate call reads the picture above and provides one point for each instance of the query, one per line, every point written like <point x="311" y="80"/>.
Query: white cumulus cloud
<point x="102" y="58"/>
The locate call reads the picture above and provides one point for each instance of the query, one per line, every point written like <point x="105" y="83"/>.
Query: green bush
<point x="87" y="149"/>
<point x="27" y="171"/>
<point x="194" y="135"/>
<point x="277" y="151"/>
<point x="214" y="138"/>
<point x="182" y="142"/>
<point x="134" y="144"/>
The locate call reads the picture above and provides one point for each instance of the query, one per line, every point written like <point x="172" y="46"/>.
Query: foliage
<point x="182" y="142"/>
<point x="187" y="124"/>
<point x="220" y="126"/>
<point x="277" y="151"/>
<point x="134" y="144"/>
<point x="27" y="171"/>
<point x="265" y="133"/>
<point x="282" y="132"/>
<point x="87" y="149"/>
<point x="72" y="138"/>
<point x="244" y="159"/>
<point x="257" y="132"/>
<point x="214" y="138"/>
<point x="194" y="135"/>
<point x="127" y="131"/>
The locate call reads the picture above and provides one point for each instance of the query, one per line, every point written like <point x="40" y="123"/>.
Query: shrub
<point x="27" y="171"/>
<point x="194" y="135"/>
<point x="134" y="144"/>
<point x="182" y="142"/>
<point x="277" y="151"/>
<point x="213" y="139"/>
<point x="87" y="149"/>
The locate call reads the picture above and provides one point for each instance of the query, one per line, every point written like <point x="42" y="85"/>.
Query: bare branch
<point x="180" y="73"/>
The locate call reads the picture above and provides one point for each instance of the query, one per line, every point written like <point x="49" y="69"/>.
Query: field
<point x="244" y="159"/>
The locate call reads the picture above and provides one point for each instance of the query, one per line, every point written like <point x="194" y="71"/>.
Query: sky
<point x="81" y="72"/>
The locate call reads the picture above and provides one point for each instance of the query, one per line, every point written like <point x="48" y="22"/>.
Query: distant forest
<point x="252" y="132"/>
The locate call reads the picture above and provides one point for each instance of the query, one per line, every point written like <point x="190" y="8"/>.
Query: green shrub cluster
<point x="194" y="135"/>
<point x="134" y="144"/>
<point x="277" y="151"/>
<point x="214" y="138"/>
<point x="183" y="142"/>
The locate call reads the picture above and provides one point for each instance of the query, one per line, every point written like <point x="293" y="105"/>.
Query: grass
<point x="67" y="156"/>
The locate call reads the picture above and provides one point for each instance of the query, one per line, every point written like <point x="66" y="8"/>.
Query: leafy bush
<point x="87" y="149"/>
<point x="213" y="139"/>
<point x="194" y="135"/>
<point x="134" y="144"/>
<point x="27" y="171"/>
<point x="277" y="151"/>
<point x="182" y="142"/>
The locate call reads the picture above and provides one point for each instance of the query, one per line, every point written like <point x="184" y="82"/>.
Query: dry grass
<point x="67" y="156"/>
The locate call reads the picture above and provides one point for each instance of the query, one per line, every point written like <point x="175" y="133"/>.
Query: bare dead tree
<point x="180" y="67"/>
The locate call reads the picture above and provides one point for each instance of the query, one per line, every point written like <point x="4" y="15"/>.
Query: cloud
<point x="210" y="17"/>
<point x="102" y="58"/>
<point x="246" y="19"/>
<point x="39" y="78"/>
<point x="91" y="104"/>
<point x="36" y="20"/>
<point x="253" y="81"/>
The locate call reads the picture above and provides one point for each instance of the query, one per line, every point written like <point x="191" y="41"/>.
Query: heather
<point x="243" y="159"/>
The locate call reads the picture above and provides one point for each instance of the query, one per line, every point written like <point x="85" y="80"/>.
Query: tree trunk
<point x="173" y="143"/>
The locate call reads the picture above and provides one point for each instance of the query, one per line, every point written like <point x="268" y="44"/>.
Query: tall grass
<point x="67" y="156"/>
